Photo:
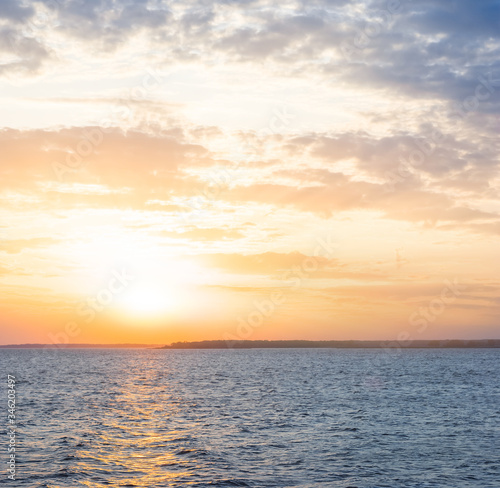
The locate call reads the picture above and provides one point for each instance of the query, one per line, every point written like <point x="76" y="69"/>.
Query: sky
<point x="196" y="170"/>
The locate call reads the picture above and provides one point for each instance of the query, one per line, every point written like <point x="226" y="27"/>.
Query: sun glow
<point x="147" y="301"/>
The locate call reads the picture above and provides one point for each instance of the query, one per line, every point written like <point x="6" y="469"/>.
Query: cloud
<point x="107" y="22"/>
<point x="26" y="55"/>
<point x="406" y="204"/>
<point x="270" y="263"/>
<point x="461" y="18"/>
<point x="95" y="168"/>
<point x="109" y="157"/>
<point x="428" y="49"/>
<point x="204" y="234"/>
<point x="15" y="246"/>
<point x="14" y="11"/>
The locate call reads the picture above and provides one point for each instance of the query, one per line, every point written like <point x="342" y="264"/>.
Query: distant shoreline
<point x="302" y="344"/>
<point x="284" y="344"/>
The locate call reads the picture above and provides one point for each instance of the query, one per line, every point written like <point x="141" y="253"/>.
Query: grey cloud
<point x="427" y="49"/>
<point x="431" y="49"/>
<point x="460" y="17"/>
<point x="109" y="23"/>
<point x="28" y="52"/>
<point x="14" y="11"/>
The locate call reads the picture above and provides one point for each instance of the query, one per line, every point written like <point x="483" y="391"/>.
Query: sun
<point x="160" y="287"/>
<point x="148" y="301"/>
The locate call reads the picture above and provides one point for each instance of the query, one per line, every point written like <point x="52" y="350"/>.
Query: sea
<point x="343" y="418"/>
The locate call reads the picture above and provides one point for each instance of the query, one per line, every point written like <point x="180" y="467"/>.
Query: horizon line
<point x="277" y="343"/>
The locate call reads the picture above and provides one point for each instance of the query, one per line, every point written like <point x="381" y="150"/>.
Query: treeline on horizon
<point x="303" y="344"/>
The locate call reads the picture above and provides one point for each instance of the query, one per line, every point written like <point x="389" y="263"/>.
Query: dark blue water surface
<point x="259" y="418"/>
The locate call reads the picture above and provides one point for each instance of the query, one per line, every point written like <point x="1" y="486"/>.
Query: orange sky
<point x="247" y="171"/>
